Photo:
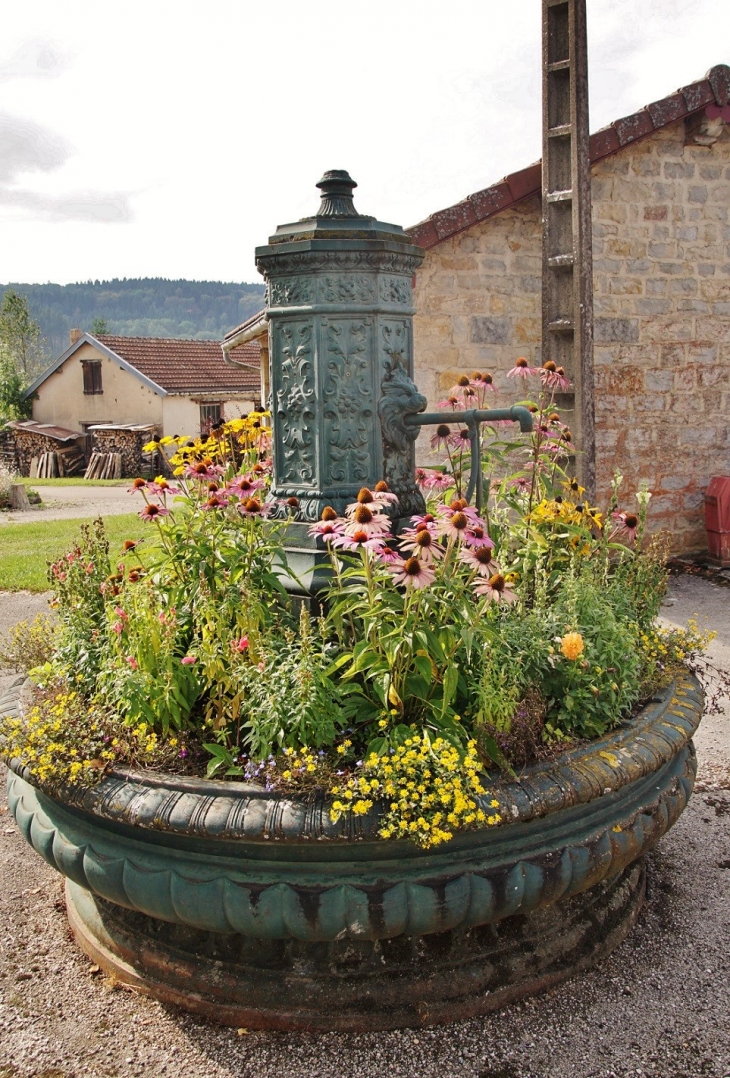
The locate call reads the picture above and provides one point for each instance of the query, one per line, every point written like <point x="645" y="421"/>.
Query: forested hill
<point x="139" y="307"/>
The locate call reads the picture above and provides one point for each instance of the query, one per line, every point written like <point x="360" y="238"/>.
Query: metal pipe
<point x="472" y="418"/>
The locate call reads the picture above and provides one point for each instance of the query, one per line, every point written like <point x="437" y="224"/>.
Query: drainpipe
<point x="257" y="330"/>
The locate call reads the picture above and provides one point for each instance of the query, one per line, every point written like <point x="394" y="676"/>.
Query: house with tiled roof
<point x="175" y="386"/>
<point x="661" y="273"/>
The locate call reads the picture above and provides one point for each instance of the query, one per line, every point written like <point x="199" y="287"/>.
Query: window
<point x="92" y="376"/>
<point x="210" y="416"/>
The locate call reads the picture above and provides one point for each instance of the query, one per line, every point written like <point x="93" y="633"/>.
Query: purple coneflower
<point x="422" y="543"/>
<point x="495" y="589"/>
<point x="451" y="402"/>
<point x="152" y="511"/>
<point x="363" y="518"/>
<point x="553" y="376"/>
<point x="327" y="529"/>
<point x="479" y="558"/>
<point x="414" y="573"/>
<point x="360" y="539"/>
<point x="522" y="369"/>
<point x="476" y="537"/>
<point x="626" y="524"/>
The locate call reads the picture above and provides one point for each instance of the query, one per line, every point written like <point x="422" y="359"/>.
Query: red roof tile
<point x="527" y="182"/>
<point x="184" y="366"/>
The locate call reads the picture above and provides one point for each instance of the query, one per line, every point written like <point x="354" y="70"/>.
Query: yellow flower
<point x="572" y="645"/>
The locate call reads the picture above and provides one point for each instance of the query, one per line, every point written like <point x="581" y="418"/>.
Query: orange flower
<point x="572" y="645"/>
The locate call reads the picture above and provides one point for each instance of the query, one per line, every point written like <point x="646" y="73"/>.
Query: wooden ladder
<point x="567" y="263"/>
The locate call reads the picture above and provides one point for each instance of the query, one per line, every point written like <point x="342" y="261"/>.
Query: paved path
<point x="658" y="1008"/>
<point x="68" y="503"/>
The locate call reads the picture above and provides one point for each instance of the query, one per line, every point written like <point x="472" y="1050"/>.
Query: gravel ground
<point x="70" y="503"/>
<point x="658" y="1007"/>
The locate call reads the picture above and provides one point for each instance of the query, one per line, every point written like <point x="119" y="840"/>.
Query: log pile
<point x="104" y="466"/>
<point x="123" y="441"/>
<point x="8" y="456"/>
<point x="32" y="445"/>
<point x="58" y="463"/>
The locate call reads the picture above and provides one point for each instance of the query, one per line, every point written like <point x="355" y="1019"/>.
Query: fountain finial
<point x="337" y="186"/>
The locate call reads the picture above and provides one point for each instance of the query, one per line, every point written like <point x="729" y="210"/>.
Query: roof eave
<point x="87" y="338"/>
<point x="518" y="186"/>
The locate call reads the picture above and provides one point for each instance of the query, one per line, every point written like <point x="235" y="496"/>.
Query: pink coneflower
<point x="479" y="558"/>
<point x="244" y="486"/>
<point x="422" y="543"/>
<point x="521" y="483"/>
<point x="626" y="524"/>
<point x="383" y="495"/>
<point x="388" y="556"/>
<point x="553" y="376"/>
<point x="360" y="540"/>
<point x="456" y="525"/>
<point x="435" y="480"/>
<point x="215" y="501"/>
<point x="161" y="486"/>
<point x="495" y="589"/>
<point x="460" y="505"/>
<point x="476" y="537"/>
<point x="425" y="520"/>
<point x="522" y="369"/>
<point x="152" y="511"/>
<point x="327" y="529"/>
<point x="441" y="437"/>
<point x="188" y="660"/>
<point x="203" y="470"/>
<point x="363" y="518"/>
<point x="414" y="573"/>
<point x="376" y="500"/>
<point x="240" y="645"/>
<point x="451" y="402"/>
<point x="253" y="507"/>
<point x="137" y="484"/>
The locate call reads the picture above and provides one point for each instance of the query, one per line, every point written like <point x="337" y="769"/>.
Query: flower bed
<point x="390" y="712"/>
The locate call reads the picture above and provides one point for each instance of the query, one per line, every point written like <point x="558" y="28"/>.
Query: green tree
<point x="12" y="384"/>
<point x="20" y="336"/>
<point x="99" y="326"/>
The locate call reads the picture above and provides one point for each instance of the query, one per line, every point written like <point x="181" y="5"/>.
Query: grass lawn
<point x="74" y="481"/>
<point x="25" y="549"/>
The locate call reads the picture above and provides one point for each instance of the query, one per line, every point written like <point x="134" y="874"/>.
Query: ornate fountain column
<point x="341" y="346"/>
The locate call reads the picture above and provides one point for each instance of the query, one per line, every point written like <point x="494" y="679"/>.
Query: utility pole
<point x="567" y="261"/>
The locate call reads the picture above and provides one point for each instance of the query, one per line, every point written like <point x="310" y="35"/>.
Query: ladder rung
<point x="560" y="130"/>
<point x="559" y="65"/>
<point x="561" y="325"/>
<point x="558" y="261"/>
<point x="560" y="196"/>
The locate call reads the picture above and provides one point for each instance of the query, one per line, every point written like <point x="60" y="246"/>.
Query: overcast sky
<point x="159" y="138"/>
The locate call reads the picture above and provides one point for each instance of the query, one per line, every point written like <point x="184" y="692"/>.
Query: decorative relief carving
<point x="348" y="289"/>
<point x="295" y="403"/>
<point x="297" y="262"/>
<point x="396" y="290"/>
<point x="399" y="397"/>
<point x="348" y="401"/>
<point x="291" y="290"/>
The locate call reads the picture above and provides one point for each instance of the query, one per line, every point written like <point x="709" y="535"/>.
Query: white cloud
<point x="34" y="59"/>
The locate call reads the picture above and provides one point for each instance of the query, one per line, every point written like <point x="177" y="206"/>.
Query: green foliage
<point x="28" y="643"/>
<point x="20" y="337"/>
<point x="589" y="693"/>
<point x="26" y="549"/>
<point x="79" y="580"/>
<point x="141" y="307"/>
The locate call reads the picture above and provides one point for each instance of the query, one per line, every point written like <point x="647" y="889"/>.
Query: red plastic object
<point x="717" y="519"/>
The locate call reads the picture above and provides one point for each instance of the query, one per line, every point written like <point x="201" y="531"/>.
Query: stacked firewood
<point x="104" y="466"/>
<point x="58" y="463"/>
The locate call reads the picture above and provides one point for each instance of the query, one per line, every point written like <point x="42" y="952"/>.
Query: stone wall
<point x="661" y="222"/>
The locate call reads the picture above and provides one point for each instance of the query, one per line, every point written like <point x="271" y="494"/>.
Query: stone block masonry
<point x="661" y="257"/>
